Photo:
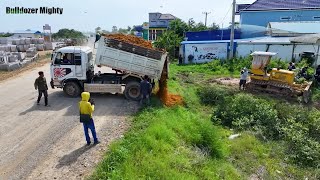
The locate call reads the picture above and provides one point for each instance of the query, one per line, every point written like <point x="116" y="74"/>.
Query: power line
<point x="226" y="14"/>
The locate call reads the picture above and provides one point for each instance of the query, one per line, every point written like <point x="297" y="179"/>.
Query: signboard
<point x="201" y="53"/>
<point x="47" y="27"/>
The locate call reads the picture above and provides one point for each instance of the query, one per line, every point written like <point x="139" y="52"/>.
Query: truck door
<point x="78" y="65"/>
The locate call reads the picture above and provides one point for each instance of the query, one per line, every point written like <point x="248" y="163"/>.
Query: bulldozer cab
<point x="260" y="62"/>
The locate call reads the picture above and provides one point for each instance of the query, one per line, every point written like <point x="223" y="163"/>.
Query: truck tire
<point x="132" y="91"/>
<point x="72" y="89"/>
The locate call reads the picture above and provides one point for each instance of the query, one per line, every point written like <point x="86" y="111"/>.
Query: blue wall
<point x="223" y="34"/>
<point x="262" y="18"/>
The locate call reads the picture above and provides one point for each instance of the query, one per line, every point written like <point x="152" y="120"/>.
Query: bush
<point x="297" y="125"/>
<point x="214" y="95"/>
<point x="244" y="111"/>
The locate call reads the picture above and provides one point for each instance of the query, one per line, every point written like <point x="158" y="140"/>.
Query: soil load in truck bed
<point x="132" y="44"/>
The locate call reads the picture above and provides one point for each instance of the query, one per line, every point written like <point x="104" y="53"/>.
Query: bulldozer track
<point x="275" y="88"/>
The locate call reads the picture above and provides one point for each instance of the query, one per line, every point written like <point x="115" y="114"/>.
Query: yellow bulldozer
<point x="275" y="81"/>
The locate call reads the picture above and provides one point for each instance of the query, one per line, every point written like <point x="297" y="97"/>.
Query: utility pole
<point x="232" y="29"/>
<point x="206" y="13"/>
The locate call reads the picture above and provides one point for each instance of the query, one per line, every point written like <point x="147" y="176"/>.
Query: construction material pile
<point x="164" y="95"/>
<point x="131" y="40"/>
<point x="132" y="44"/>
<point x="23" y="44"/>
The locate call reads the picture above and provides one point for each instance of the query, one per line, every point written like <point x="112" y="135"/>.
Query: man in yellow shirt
<point x="86" y="106"/>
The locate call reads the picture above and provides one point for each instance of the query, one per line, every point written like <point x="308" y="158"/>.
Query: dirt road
<point x="38" y="142"/>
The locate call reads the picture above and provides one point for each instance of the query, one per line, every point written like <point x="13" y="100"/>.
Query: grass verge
<point x="182" y="142"/>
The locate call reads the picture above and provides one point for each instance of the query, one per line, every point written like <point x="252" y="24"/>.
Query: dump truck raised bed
<point x="72" y="68"/>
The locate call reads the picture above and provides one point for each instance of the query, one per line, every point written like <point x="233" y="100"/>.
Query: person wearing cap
<point x="243" y="78"/>
<point x="145" y="90"/>
<point x="40" y="84"/>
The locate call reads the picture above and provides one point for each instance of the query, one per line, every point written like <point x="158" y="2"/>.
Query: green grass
<point x="183" y="143"/>
<point x="168" y="143"/>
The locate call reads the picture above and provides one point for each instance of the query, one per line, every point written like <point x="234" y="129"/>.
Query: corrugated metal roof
<point x="265" y="40"/>
<point x="312" y="38"/>
<point x="167" y="17"/>
<point x="261" y="5"/>
<point x="302" y="27"/>
<point x="28" y="31"/>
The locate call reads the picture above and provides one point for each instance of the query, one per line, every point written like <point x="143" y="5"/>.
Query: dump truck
<point x="276" y="81"/>
<point x="73" y="67"/>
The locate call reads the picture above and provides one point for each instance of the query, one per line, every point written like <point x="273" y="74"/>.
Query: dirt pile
<point x="164" y="95"/>
<point x="131" y="40"/>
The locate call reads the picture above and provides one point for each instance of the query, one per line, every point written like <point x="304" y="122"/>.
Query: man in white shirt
<point x="243" y="78"/>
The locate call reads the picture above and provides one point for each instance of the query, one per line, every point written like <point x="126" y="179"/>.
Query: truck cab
<point x="70" y="67"/>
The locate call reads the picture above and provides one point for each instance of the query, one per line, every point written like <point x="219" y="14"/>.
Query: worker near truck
<point x="243" y="78"/>
<point x="86" y="107"/>
<point x="40" y="84"/>
<point x="145" y="90"/>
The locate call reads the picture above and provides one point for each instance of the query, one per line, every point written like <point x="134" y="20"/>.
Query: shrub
<point x="244" y="111"/>
<point x="297" y="125"/>
<point x="214" y="94"/>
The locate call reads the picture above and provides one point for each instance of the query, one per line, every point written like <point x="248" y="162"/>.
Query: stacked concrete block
<point x="21" y="56"/>
<point x="40" y="47"/>
<point x="13" y="58"/>
<point x="3" y="59"/>
<point x="13" y="48"/>
<point x="31" y="52"/>
<point x="28" y="41"/>
<point x="40" y="40"/>
<point x="21" y="48"/>
<point x="3" y="40"/>
<point x="22" y="41"/>
<point x="48" y="46"/>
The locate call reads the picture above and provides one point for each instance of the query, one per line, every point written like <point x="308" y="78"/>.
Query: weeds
<point x="297" y="125"/>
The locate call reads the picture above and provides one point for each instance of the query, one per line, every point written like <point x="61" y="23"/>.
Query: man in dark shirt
<point x="40" y="84"/>
<point x="145" y="90"/>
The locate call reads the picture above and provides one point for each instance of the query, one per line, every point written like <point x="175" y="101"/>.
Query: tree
<point x="68" y="33"/>
<point x="98" y="29"/>
<point x="129" y="29"/>
<point x="214" y="26"/>
<point x="169" y="41"/>
<point x="179" y="27"/>
<point x="123" y="31"/>
<point x="6" y="34"/>
<point x="114" y="29"/>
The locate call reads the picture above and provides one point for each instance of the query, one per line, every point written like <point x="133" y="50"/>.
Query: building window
<point x="316" y="17"/>
<point x="285" y="18"/>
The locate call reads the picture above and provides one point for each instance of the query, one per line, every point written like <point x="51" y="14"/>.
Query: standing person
<point x="291" y="66"/>
<point x="40" y="84"/>
<point x="243" y="78"/>
<point x="145" y="90"/>
<point x="180" y="59"/>
<point x="86" y="107"/>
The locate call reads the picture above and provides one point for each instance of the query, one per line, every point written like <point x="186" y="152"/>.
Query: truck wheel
<point x="132" y="91"/>
<point x="72" y="89"/>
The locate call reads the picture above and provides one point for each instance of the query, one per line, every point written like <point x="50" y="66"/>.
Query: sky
<point x="86" y="15"/>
